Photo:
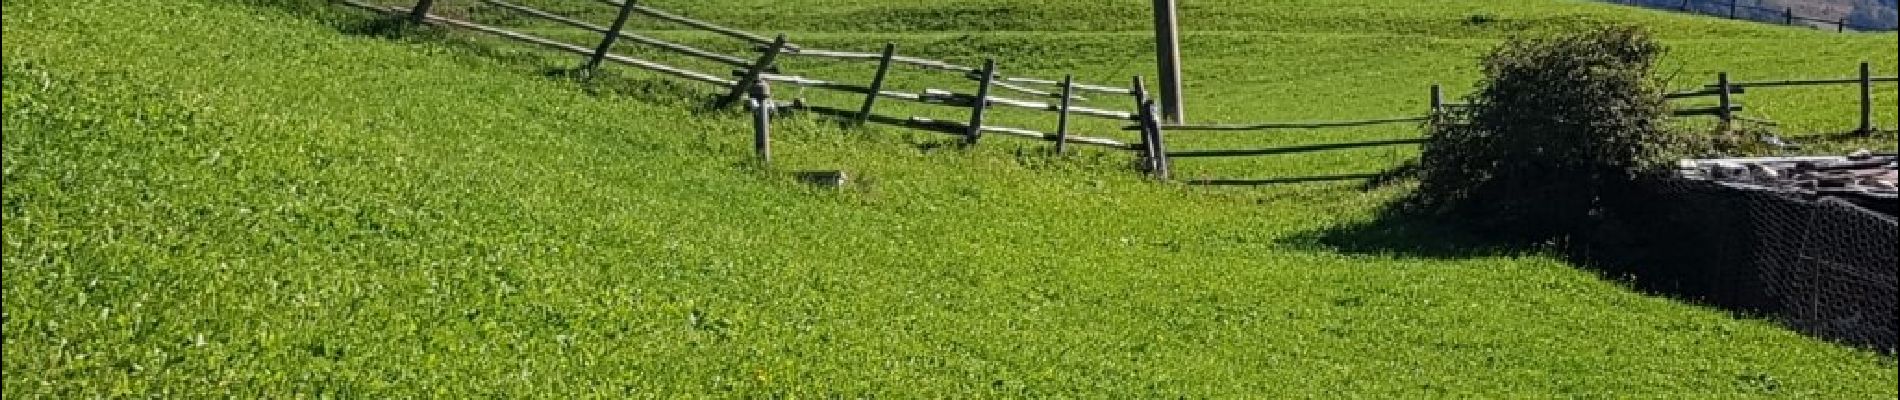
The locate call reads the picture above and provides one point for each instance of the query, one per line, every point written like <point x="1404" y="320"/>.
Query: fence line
<point x="703" y="25"/>
<point x="644" y="64"/>
<point x="1152" y="150"/>
<point x="1785" y="14"/>
<point x="675" y="47"/>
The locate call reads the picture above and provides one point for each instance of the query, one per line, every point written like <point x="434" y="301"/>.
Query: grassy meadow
<point x="259" y="198"/>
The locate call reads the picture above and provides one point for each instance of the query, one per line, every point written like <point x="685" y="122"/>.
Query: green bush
<point x="1556" y="125"/>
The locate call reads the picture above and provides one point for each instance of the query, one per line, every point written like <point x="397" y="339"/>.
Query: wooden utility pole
<point x="1168" y="58"/>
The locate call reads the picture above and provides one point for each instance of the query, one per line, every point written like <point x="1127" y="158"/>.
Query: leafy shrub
<point x="1556" y="125"/>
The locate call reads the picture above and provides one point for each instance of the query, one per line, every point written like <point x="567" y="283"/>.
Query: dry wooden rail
<point x="1809" y="82"/>
<point x="675" y="47"/>
<point x="1292" y="149"/>
<point x="526" y="38"/>
<point x="955" y="128"/>
<point x="945" y="97"/>
<point x="1011" y="83"/>
<point x="1725" y="88"/>
<point x="702" y="25"/>
<point x="1284" y="125"/>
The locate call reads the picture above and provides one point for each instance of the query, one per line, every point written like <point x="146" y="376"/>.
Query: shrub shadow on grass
<point x="1683" y="256"/>
<point x="1398" y="234"/>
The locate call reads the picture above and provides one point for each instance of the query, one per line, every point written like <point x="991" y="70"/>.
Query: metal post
<point x="1866" y="99"/>
<point x="1062" y="119"/>
<point x="1168" y="56"/>
<point x="1731" y="8"/>
<point x="1438" y="100"/>
<point x="1840" y="26"/>
<point x="762" y="122"/>
<point x="1789" y="16"/>
<point x="877" y="82"/>
<point x="420" y="13"/>
<point x="607" y="41"/>
<point x="982" y="101"/>
<point x="1727" y="100"/>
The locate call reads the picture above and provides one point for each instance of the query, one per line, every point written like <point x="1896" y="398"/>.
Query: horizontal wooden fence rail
<point x="1291" y="149"/>
<point x="955" y="128"/>
<point x="571" y="48"/>
<point x="1275" y="181"/>
<point x="1808" y="82"/>
<point x="1716" y="110"/>
<point x="703" y="25"/>
<point x="1713" y="90"/>
<point x="969" y="72"/>
<point x="1284" y="125"/>
<point x="675" y="47"/>
<point x="1078" y="86"/>
<point x="945" y="97"/>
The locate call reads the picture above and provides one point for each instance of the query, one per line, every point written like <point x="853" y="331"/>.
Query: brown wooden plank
<point x="1292" y="149"/>
<point x="675" y="47"/>
<point x="531" y="39"/>
<point x="1062" y="116"/>
<point x="752" y="75"/>
<point x="703" y="25"/>
<point x="877" y="82"/>
<point x="982" y="102"/>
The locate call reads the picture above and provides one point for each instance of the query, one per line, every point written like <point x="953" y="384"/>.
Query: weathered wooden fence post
<point x="1866" y="99"/>
<point x="1159" y="149"/>
<point x="420" y="13"/>
<point x="1145" y="149"/>
<point x="981" y="102"/>
<point x="1062" y="114"/>
<point x="1725" y="109"/>
<point x="877" y="82"/>
<point x="607" y="41"/>
<point x="761" y="102"/>
<point x="1438" y="101"/>
<point x="752" y="75"/>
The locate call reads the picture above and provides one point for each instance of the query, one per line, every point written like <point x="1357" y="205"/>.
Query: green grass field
<point x="247" y="197"/>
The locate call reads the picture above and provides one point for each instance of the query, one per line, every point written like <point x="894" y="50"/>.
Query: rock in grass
<point x="826" y="179"/>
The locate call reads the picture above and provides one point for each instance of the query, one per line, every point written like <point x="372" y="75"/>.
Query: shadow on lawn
<point x="1663" y="254"/>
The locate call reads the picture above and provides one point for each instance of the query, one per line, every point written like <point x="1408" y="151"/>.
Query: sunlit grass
<point x="231" y="199"/>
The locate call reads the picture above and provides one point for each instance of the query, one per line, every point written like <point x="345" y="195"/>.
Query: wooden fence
<point x="1726" y="110"/>
<point x="1734" y="9"/>
<point x="747" y="83"/>
<point x="751" y="86"/>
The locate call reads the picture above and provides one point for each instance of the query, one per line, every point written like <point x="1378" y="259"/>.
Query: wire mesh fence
<point x="1823" y="265"/>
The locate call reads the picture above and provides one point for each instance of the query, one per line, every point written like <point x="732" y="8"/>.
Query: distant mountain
<point x="1859" y="14"/>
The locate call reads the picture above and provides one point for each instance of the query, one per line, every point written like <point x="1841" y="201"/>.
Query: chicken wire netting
<point x="1823" y="265"/>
